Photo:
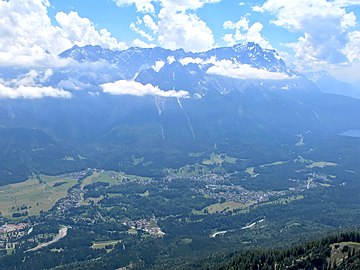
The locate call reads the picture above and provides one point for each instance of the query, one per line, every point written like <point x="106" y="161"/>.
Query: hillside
<point x="340" y="251"/>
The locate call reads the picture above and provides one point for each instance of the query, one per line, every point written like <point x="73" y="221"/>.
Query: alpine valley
<point x="161" y="159"/>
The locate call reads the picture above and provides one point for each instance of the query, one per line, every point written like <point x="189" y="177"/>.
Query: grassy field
<point x="188" y="170"/>
<point x="98" y="177"/>
<point x="277" y="163"/>
<point x="321" y="164"/>
<point x="68" y="158"/>
<point x="110" y="177"/>
<point x="145" y="194"/>
<point x="224" y="207"/>
<point x="90" y="200"/>
<point x="251" y="171"/>
<point x="137" y="161"/>
<point x="195" y="154"/>
<point x="100" y="245"/>
<point x="132" y="232"/>
<point x="285" y="200"/>
<point x="33" y="195"/>
<point x="218" y="159"/>
<point x="186" y="241"/>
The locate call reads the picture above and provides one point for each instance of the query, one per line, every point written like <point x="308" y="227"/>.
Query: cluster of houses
<point x="148" y="226"/>
<point x="10" y="233"/>
<point x="124" y="179"/>
<point x="8" y="228"/>
<point x="75" y="175"/>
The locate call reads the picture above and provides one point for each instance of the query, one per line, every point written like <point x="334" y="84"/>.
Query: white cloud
<point x="171" y="59"/>
<point x="29" y="86"/>
<point x="28" y="37"/>
<point x="244" y="32"/>
<point x="348" y="73"/>
<point x="81" y="31"/>
<point x="133" y="88"/>
<point x="142" y="33"/>
<point x="346" y="3"/>
<point x="144" y="6"/>
<point x="175" y="26"/>
<point x="149" y="23"/>
<point x="141" y="44"/>
<point x="183" y="5"/>
<point x="325" y="27"/>
<point x="233" y="69"/>
<point x="32" y="78"/>
<point x="352" y="49"/>
<point x="230" y="69"/>
<point x="243" y="23"/>
<point x="32" y="92"/>
<point x="158" y="65"/>
<point x="182" y="30"/>
<point x="189" y="60"/>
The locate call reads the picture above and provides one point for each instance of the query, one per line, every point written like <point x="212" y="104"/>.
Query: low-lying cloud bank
<point x="32" y="92"/>
<point x="243" y="71"/>
<point x="30" y="86"/>
<point x="228" y="68"/>
<point x="124" y="87"/>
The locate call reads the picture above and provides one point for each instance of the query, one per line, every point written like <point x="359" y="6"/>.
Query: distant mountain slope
<point x="328" y="84"/>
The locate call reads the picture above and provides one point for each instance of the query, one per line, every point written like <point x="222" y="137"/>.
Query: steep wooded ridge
<point x="339" y="251"/>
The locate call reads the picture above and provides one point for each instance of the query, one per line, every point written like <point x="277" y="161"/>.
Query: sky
<point x="310" y="35"/>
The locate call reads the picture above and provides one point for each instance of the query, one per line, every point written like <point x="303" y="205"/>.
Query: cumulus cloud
<point x="32" y="92"/>
<point x="142" y="33"/>
<point x="29" y="86"/>
<point x="175" y="26"/>
<point x="81" y="31"/>
<point x="182" y="30"/>
<point x="326" y="28"/>
<point x="183" y="5"/>
<point x="352" y="49"/>
<point x="142" y="44"/>
<point x="28" y="37"/>
<point x="144" y="6"/>
<point x="124" y="87"/>
<point x="149" y="23"/>
<point x="244" y="32"/>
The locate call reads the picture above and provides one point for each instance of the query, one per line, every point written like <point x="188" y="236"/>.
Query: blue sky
<point x="309" y="34"/>
<point x="105" y="14"/>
